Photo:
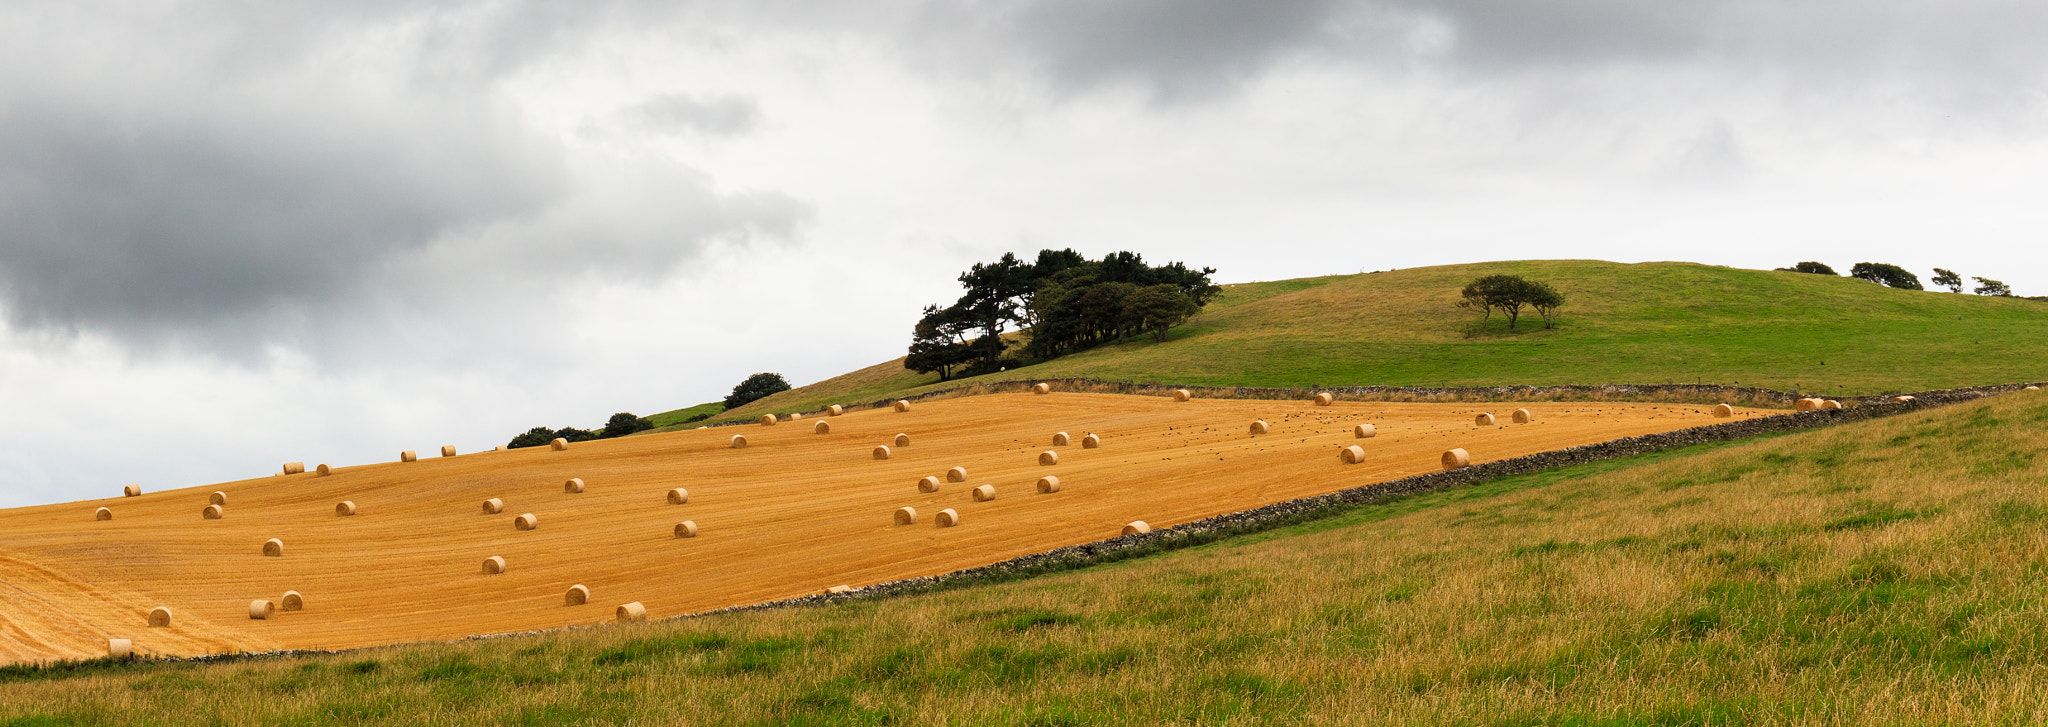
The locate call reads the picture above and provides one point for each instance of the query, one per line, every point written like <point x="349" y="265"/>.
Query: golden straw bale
<point x="2031" y="387"/>
<point x="947" y="518"/>
<point x="1048" y="458"/>
<point x="500" y="448"/>
<point x="767" y="420"/>
<point x="217" y="498"/>
<point x="212" y="512"/>
<point x="839" y="589"/>
<point x="1136" y="527"/>
<point x="1831" y="404"/>
<point x="796" y="415"/>
<point x="408" y="456"/>
<point x="902" y="405"/>
<point x="447" y="450"/>
<point x="956" y="474"/>
<point x="1902" y="399"/>
<point x="559" y="444"/>
<point x="494" y="565"/>
<point x="273" y="548"/>
<point x="822" y="427"/>
<point x="678" y="496"/>
<point x="573" y="486"/>
<point x="325" y="470"/>
<point x="159" y="617"/>
<point x="103" y="514"/>
<point x="739" y="441"/>
<point x="686" y="529"/>
<point x="984" y="493"/>
<point x="1041" y="388"/>
<point x="262" y="608"/>
<point x="1258" y="426"/>
<point x="906" y="515"/>
<point x="1182" y="395"/>
<point x="631" y="613"/>
<point x="577" y="596"/>
<point x="293" y="468"/>
<point x="494" y="506"/>
<point x="344" y="508"/>
<point x="1807" y="405"/>
<point x="131" y="491"/>
<point x="928" y="483"/>
<point x="1353" y="454"/>
<point x="525" y="522"/>
<point x="1048" y="484"/>
<point x="1325" y="399"/>
<point x="1091" y="441"/>
<point x="292" y="601"/>
<point x="902" y="440"/>
<point x="1483" y="420"/>
<point x="120" y="648"/>
<point x="1521" y="416"/>
<point x="882" y="452"/>
<point x="1059" y="439"/>
<point x="835" y="410"/>
<point x="1364" y="431"/>
<point x="1456" y="458"/>
<point x="1723" y="411"/>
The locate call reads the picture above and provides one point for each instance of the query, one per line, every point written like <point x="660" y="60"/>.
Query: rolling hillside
<point x="1643" y="323"/>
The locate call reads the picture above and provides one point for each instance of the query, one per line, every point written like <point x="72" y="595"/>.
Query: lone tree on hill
<point x="1886" y="274"/>
<point x="754" y="388"/>
<point x="1809" y="267"/>
<point x="1947" y="279"/>
<point x="1987" y="286"/>
<point x="1509" y="294"/>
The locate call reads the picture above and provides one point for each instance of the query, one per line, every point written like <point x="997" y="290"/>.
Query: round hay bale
<point x="956" y="474"/>
<point x="131" y="491"/>
<point x="325" y="470"/>
<point x="796" y="415"/>
<point x="1521" y="416"/>
<point x="842" y="588"/>
<point x="2031" y="388"/>
<point x="1048" y="458"/>
<point x="1456" y="458"/>
<point x="120" y="648"/>
<point x="1136" y="527"/>
<point x="293" y="468"/>
<point x="500" y="448"/>
<point x="1353" y="454"/>
<point x="947" y="518"/>
<point x="1325" y="399"/>
<point x="573" y="486"/>
<point x="212" y="512"/>
<point x="1901" y="399"/>
<point x="822" y="427"/>
<point x="344" y="508"/>
<point x="273" y="548"/>
<point x="494" y="565"/>
<point x="767" y="420"/>
<point x="408" y="456"/>
<point x="1483" y="420"/>
<point x="1041" y="388"/>
<point x="1259" y="426"/>
<point x="882" y="452"/>
<point x="739" y="441"/>
<point x="1091" y="441"/>
<point x="1048" y="484"/>
<point x="835" y="410"/>
<point x="1059" y="439"/>
<point x="559" y="445"/>
<point x="1182" y="395"/>
<point x="159" y="617"/>
<point x="1723" y="411"/>
<point x="1806" y="405"/>
<point x="902" y="440"/>
<point x="984" y="493"/>
<point x="577" y="596"/>
<point x="686" y="529"/>
<point x="447" y="450"/>
<point x="902" y="405"/>
<point x="292" y="601"/>
<point x="1364" y="431"/>
<point x="103" y="514"/>
<point x="217" y="498"/>
<point x="262" y="608"/>
<point x="906" y="515"/>
<point x="678" y="496"/>
<point x="928" y="483"/>
<point x="1830" y="404"/>
<point x="631" y="613"/>
<point x="494" y="506"/>
<point x="525" y="522"/>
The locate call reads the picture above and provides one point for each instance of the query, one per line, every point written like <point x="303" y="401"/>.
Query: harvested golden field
<point x="792" y="513"/>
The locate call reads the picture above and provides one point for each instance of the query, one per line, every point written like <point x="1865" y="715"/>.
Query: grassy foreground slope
<point x="1884" y="572"/>
<point x="1643" y="323"/>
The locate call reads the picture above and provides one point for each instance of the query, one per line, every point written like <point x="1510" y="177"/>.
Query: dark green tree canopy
<point x="622" y="424"/>
<point x="1987" y="286"/>
<point x="755" y="387"/>
<point x="1809" y="267"/>
<point x="1947" y="279"/>
<point x="1886" y="274"/>
<point x="535" y="437"/>
<point x="1509" y="295"/>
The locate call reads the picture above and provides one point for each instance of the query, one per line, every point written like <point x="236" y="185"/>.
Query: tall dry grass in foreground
<point x="1888" y="572"/>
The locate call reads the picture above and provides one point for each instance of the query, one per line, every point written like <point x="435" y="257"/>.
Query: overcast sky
<point x="235" y="234"/>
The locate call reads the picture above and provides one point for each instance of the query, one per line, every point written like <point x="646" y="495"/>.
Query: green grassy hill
<point x="1890" y="571"/>
<point x="1644" y="323"/>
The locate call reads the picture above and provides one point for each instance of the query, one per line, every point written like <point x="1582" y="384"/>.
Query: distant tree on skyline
<point x="1987" y="286"/>
<point x="1947" y="279"/>
<point x="1809" y="267"/>
<point x="1886" y="274"/>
